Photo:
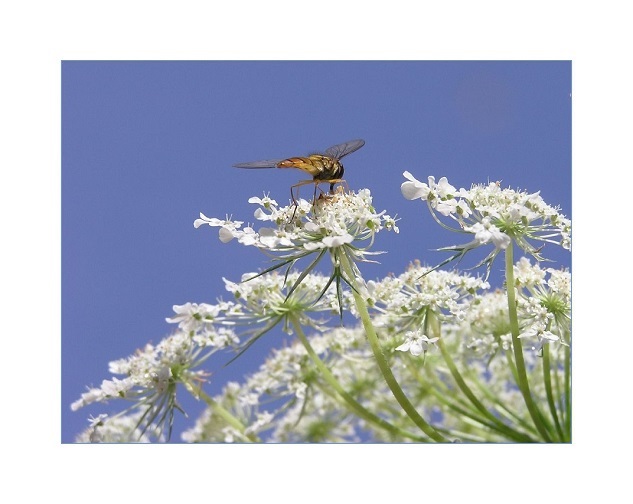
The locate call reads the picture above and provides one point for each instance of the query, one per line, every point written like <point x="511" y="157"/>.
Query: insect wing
<point x="265" y="163"/>
<point x="340" y="150"/>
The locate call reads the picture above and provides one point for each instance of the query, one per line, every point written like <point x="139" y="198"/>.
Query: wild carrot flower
<point x="342" y="384"/>
<point x="343" y="223"/>
<point x="403" y="302"/>
<point x="289" y="398"/>
<point x="543" y="309"/>
<point x="544" y="303"/>
<point x="259" y="299"/>
<point x="331" y="221"/>
<point x="116" y="429"/>
<point x="151" y="376"/>
<point x="492" y="215"/>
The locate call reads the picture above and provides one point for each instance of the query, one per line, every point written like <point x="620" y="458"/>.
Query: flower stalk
<point x="517" y="347"/>
<point x="382" y="363"/>
<point x="230" y="419"/>
<point x="354" y="405"/>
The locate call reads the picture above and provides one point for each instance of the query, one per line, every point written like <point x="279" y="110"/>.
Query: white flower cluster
<point x="543" y="309"/>
<point x="485" y="328"/>
<point x="116" y="429"/>
<point x="155" y="368"/>
<point x="492" y="214"/>
<point x="151" y="375"/>
<point x="329" y="387"/>
<point x="405" y="300"/>
<point x="544" y="303"/>
<point x="288" y="398"/>
<point x="196" y="318"/>
<point x="331" y="221"/>
<point x="260" y="298"/>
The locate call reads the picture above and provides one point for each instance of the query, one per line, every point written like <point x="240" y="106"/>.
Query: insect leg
<point x="294" y="201"/>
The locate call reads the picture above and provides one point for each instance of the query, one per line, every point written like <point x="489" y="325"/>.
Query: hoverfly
<point x="324" y="167"/>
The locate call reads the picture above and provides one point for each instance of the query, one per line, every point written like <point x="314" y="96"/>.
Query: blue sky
<point x="146" y="146"/>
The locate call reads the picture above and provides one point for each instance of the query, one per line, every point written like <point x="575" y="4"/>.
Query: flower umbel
<point x="492" y="215"/>
<point x="544" y="303"/>
<point x="267" y="300"/>
<point x="499" y="361"/>
<point x="337" y="224"/>
<point x="405" y="301"/>
<point x="331" y="221"/>
<point x="151" y="377"/>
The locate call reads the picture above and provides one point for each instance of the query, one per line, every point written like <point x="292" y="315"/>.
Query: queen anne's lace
<point x="292" y="397"/>
<point x="492" y="215"/>
<point x="332" y="221"/>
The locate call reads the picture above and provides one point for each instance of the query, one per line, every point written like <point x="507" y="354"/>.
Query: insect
<point x="325" y="167"/>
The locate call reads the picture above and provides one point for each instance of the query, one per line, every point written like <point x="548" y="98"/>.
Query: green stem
<point x="507" y="413"/>
<point x="522" y="382"/>
<point x="477" y="421"/>
<point x="461" y="383"/>
<point x="562" y="395"/>
<point x="445" y="396"/>
<point x="228" y="417"/>
<point x="372" y="337"/>
<point x="354" y="405"/>
<point x="547" y="380"/>
<point x="430" y="384"/>
<point x="513" y="369"/>
<point x="567" y="392"/>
